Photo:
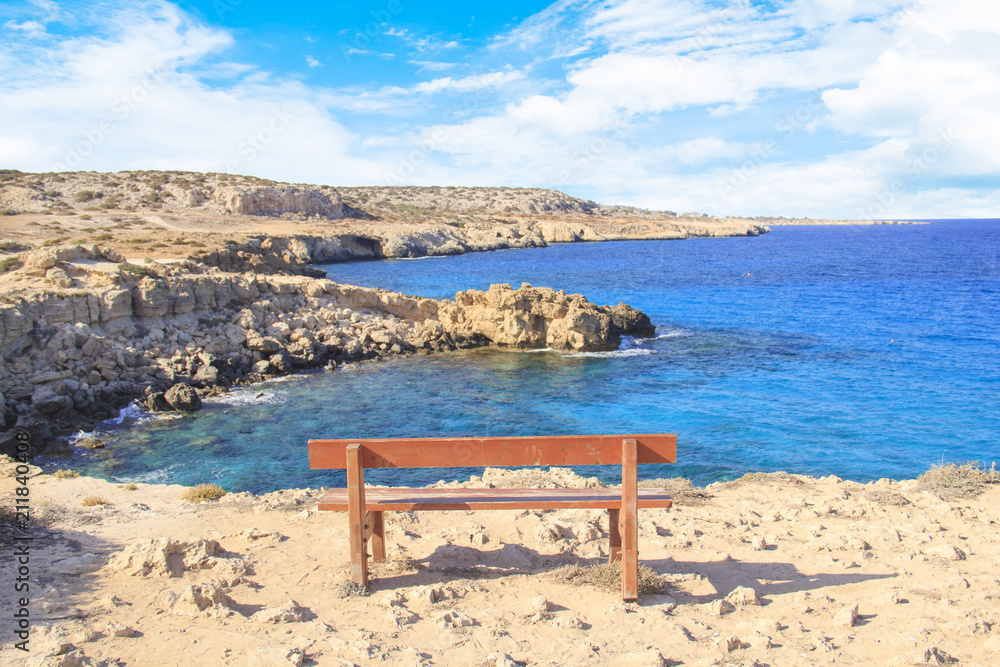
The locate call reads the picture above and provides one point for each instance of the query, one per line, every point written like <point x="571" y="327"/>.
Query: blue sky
<point x="818" y="108"/>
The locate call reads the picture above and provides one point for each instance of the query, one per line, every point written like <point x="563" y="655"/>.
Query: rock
<point x="540" y="604"/>
<point x="846" y="618"/>
<point x="115" y="629"/>
<point x="546" y="533"/>
<point x="743" y="596"/>
<point x="197" y="598"/>
<point x="759" y="543"/>
<point x="532" y="317"/>
<point x="720" y="607"/>
<point x="90" y="442"/>
<point x="730" y="643"/>
<point x="290" y="612"/>
<point x="401" y="617"/>
<point x="479" y="538"/>
<point x="58" y="277"/>
<point x="451" y="620"/>
<point x="570" y="622"/>
<point x="145" y="557"/>
<point x="275" y="200"/>
<point x="47" y="401"/>
<point x="264" y="344"/>
<point x="207" y="374"/>
<point x="947" y="552"/>
<point x="183" y="397"/>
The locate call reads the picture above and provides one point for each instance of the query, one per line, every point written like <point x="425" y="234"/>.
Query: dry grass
<point x="608" y="577"/>
<point x="94" y="501"/>
<point x="885" y="497"/>
<point x="128" y="487"/>
<point x="349" y="589"/>
<point x="681" y="490"/>
<point x="952" y="481"/>
<point x="203" y="492"/>
<point x="775" y="478"/>
<point x="65" y="473"/>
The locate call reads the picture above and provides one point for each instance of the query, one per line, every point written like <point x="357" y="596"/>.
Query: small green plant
<point x="135" y="269"/>
<point x="128" y="487"/>
<point x="203" y="492"/>
<point x="86" y="217"/>
<point x="94" y="501"/>
<point x="87" y="195"/>
<point x="10" y="264"/>
<point x="65" y="473"/>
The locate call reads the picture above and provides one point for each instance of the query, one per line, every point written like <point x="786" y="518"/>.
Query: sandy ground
<point x="764" y="571"/>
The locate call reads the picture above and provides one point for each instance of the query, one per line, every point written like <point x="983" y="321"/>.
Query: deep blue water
<point x="860" y="351"/>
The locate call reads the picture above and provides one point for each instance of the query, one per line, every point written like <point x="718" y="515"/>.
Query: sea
<point x="862" y="351"/>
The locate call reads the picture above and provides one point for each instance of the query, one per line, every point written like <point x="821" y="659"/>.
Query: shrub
<point x="135" y="269"/>
<point x="128" y="487"/>
<point x="10" y="264"/>
<point x="94" y="501"/>
<point x="203" y="492"/>
<point x="87" y="195"/>
<point x="349" y="589"/>
<point x="65" y="473"/>
<point x="86" y="217"/>
<point x="952" y="481"/>
<point x="608" y="577"/>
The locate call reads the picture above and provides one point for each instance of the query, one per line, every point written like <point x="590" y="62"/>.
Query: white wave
<point x="613" y="354"/>
<point x="248" y="397"/>
<point x="544" y="349"/>
<point x="674" y="333"/>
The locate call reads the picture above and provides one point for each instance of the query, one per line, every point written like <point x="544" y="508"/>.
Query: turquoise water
<point x="860" y="351"/>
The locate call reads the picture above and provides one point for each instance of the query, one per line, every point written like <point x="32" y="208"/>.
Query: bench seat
<point x="395" y="499"/>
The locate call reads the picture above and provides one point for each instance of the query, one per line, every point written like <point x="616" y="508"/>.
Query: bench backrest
<point x="560" y="450"/>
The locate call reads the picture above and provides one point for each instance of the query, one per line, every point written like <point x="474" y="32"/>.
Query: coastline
<point x="763" y="570"/>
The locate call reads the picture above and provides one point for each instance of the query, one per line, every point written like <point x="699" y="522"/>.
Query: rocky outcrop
<point x="277" y="200"/>
<point x="70" y="359"/>
<point x="534" y="317"/>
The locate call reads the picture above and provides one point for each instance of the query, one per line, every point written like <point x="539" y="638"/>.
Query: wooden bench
<point x="364" y="507"/>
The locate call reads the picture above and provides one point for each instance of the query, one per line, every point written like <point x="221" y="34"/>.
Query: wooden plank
<point x="565" y="450"/>
<point x="614" y="537"/>
<point x="356" y="514"/>
<point x="406" y="499"/>
<point x="630" y="522"/>
<point x="378" y="536"/>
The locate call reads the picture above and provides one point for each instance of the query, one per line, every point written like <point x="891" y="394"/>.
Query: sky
<point x="861" y="109"/>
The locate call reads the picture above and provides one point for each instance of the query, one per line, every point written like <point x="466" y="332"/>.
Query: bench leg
<point x="614" y="537"/>
<point x="356" y="515"/>
<point x="378" y="536"/>
<point x="630" y="521"/>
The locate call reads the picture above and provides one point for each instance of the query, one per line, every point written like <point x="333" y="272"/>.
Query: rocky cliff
<point x="72" y="357"/>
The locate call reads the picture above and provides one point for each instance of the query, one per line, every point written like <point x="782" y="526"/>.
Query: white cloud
<point x="477" y="82"/>
<point x="312" y="62"/>
<point x="128" y="102"/>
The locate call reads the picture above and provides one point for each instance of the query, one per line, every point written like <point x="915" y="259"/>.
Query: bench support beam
<point x="356" y="515"/>
<point x="629" y="521"/>
<point x="614" y="537"/>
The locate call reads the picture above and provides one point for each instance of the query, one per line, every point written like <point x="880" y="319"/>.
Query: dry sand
<point x="768" y="570"/>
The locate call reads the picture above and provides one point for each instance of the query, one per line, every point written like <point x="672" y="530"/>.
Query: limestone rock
<point x="197" y="598"/>
<point x="451" y="620"/>
<point x="145" y="557"/>
<point x="182" y="397"/>
<point x="290" y="612"/>
<point x="276" y="200"/>
<point x="846" y="618"/>
<point x="743" y="596"/>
